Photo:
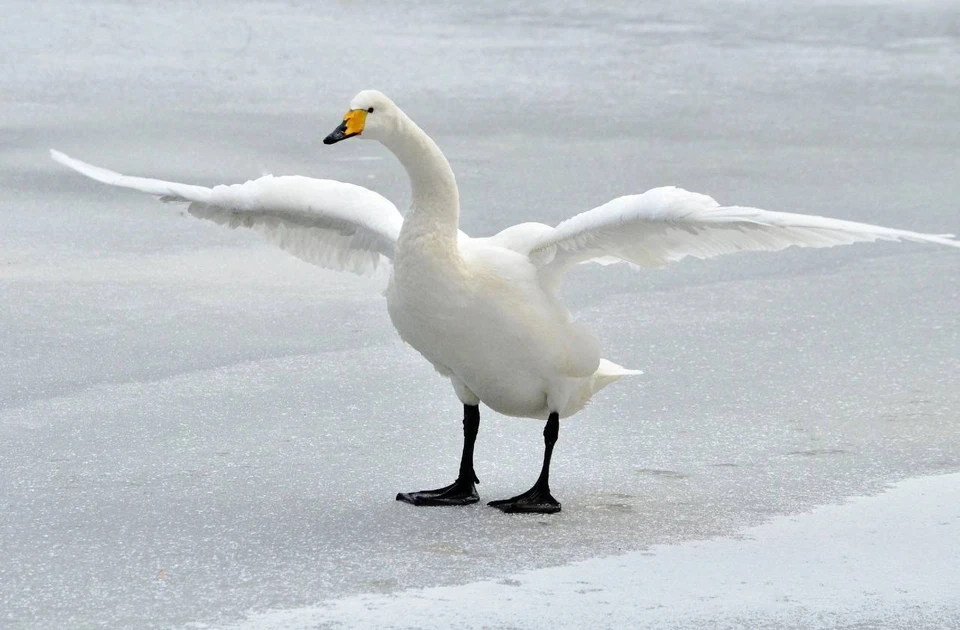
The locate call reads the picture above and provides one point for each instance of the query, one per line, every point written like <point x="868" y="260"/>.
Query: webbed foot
<point x="536" y="500"/>
<point x="458" y="493"/>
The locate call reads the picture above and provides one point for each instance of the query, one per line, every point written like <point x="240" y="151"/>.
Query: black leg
<point x="462" y="491"/>
<point x="537" y="500"/>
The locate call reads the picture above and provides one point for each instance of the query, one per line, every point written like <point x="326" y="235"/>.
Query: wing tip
<point x="71" y="163"/>
<point x="58" y="156"/>
<point x="98" y="173"/>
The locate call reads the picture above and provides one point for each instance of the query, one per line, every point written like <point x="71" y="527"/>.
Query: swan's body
<point x="482" y="318"/>
<point x="485" y="311"/>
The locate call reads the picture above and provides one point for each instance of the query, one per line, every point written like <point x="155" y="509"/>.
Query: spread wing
<point x="667" y="224"/>
<point x="328" y="223"/>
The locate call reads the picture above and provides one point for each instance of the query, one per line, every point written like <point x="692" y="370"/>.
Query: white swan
<point x="484" y="311"/>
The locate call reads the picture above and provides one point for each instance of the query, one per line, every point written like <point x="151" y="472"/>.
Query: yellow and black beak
<point x="352" y="125"/>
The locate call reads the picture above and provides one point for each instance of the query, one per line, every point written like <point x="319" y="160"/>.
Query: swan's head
<point x="371" y="115"/>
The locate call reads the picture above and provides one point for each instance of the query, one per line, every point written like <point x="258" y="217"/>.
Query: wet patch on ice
<point x="445" y="549"/>
<point x="383" y="585"/>
<point x="820" y="452"/>
<point x="623" y="508"/>
<point x="662" y="473"/>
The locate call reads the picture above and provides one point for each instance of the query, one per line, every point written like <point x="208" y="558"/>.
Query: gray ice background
<point x="775" y="576"/>
<point x="194" y="425"/>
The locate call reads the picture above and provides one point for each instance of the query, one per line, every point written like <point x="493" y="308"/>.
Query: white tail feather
<point x="607" y="372"/>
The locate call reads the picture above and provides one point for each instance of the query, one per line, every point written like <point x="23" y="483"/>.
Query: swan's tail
<point x="607" y="372"/>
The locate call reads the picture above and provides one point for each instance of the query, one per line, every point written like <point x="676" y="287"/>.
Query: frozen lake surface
<point x="195" y="427"/>
<point x="887" y="561"/>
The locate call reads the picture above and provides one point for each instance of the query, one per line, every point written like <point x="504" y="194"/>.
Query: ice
<point x="884" y="561"/>
<point x="195" y="426"/>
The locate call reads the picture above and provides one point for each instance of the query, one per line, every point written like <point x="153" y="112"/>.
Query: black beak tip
<point x="338" y="134"/>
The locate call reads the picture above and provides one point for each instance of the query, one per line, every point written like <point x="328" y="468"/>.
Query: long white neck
<point x="436" y="200"/>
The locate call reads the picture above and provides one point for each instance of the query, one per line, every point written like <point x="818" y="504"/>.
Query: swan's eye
<point x="369" y="110"/>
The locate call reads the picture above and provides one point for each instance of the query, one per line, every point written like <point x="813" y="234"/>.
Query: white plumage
<point x="668" y="224"/>
<point x="484" y="311"/>
<point x="325" y="222"/>
<point x="343" y="226"/>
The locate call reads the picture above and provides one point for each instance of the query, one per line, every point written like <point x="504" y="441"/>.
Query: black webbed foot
<point x="536" y="500"/>
<point x="458" y="493"/>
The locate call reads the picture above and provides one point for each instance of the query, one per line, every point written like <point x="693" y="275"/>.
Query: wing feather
<point x="325" y="222"/>
<point x="667" y="224"/>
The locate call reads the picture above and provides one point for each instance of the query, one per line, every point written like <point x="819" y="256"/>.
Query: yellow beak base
<point x="352" y="125"/>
